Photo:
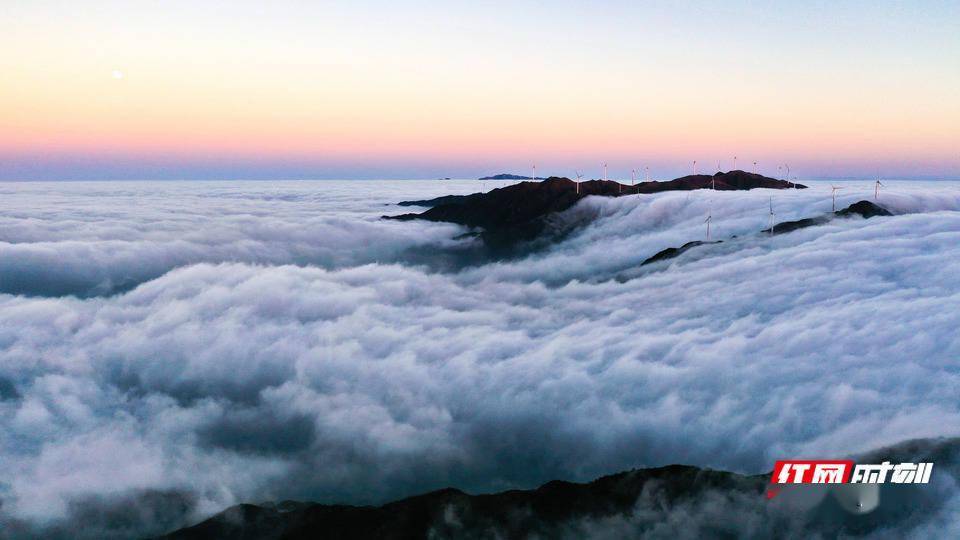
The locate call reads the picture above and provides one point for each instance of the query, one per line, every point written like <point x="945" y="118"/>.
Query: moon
<point x="117" y="74"/>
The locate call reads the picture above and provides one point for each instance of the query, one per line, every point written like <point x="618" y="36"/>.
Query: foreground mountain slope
<point x="451" y="513"/>
<point x="676" y="501"/>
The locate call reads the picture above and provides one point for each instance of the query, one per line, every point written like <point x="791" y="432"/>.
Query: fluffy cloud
<point x="225" y="381"/>
<point x="92" y="239"/>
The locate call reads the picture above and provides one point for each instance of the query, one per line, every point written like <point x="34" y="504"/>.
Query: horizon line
<point x="446" y="179"/>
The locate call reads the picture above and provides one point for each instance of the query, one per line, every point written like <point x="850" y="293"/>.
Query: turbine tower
<point x="754" y="167"/>
<point x="534" y="172"/>
<point x="604" y="172"/>
<point x="788" y="175"/>
<point x="707" y="221"/>
<point x="876" y="189"/>
<point x="579" y="176"/>
<point x="834" y="192"/>
<point x="734" y="163"/>
<point x="772" y="216"/>
<point x="694" y="167"/>
<point x="647" y="170"/>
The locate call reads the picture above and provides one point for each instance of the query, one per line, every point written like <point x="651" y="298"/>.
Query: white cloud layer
<point x="99" y="238"/>
<point x="350" y="381"/>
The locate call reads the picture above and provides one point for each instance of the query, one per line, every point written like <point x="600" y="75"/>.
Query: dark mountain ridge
<point x="659" y="502"/>
<point x="451" y="513"/>
<point x="864" y="209"/>
<point x="507" y="176"/>
<point x="519" y="213"/>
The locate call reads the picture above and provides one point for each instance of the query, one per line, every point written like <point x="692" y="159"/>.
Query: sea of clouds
<point x="170" y="348"/>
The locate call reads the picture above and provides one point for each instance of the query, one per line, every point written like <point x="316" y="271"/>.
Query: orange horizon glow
<point x="192" y="91"/>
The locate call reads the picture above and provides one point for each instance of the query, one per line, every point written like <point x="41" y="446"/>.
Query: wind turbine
<point x="772" y="215"/>
<point x="579" y="176"/>
<point x="604" y="172"/>
<point x="694" y="167"/>
<point x="534" y="172"/>
<point x="734" y="163"/>
<point x="788" y="174"/>
<point x="876" y="189"/>
<point x="633" y="176"/>
<point x="779" y="168"/>
<point x="718" y="165"/>
<point x="835" y="189"/>
<point x="754" y="167"/>
<point x="707" y="221"/>
<point x="647" y="170"/>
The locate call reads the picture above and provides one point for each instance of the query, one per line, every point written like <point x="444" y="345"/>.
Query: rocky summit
<point x="515" y="214"/>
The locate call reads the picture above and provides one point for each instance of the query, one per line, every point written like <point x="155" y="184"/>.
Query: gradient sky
<point x="372" y="88"/>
